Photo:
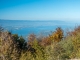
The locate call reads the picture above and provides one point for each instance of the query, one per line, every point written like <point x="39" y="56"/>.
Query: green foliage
<point x="39" y="51"/>
<point x="26" y="56"/>
<point x="52" y="47"/>
<point x="16" y="37"/>
<point x="38" y="54"/>
<point x="19" y="40"/>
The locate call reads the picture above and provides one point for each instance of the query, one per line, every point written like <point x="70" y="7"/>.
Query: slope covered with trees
<point x="55" y="46"/>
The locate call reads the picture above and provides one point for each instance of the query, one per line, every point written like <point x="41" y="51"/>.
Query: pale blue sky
<point x="40" y="9"/>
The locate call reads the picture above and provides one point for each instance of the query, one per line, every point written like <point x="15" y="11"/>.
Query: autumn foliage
<point x="52" y="47"/>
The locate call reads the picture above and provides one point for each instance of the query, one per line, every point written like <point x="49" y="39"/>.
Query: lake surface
<point x="26" y="27"/>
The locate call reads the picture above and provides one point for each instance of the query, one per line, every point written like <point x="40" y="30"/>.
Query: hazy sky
<point x="40" y="9"/>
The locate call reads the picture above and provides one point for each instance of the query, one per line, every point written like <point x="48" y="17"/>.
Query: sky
<point x="40" y="9"/>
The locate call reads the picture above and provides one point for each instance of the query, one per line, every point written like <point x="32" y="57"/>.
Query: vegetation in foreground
<point x="55" y="46"/>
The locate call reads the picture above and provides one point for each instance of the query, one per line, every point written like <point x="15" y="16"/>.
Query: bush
<point x="8" y="47"/>
<point x="52" y="47"/>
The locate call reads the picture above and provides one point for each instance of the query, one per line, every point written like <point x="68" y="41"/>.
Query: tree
<point x="8" y="47"/>
<point x="31" y="38"/>
<point x="57" y="35"/>
<point x="19" y="40"/>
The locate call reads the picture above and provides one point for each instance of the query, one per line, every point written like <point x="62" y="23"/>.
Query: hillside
<point x="55" y="46"/>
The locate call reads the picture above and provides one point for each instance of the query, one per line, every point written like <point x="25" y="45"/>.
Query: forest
<point x="55" y="46"/>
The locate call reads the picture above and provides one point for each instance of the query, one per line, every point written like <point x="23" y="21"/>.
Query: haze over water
<point x="26" y="27"/>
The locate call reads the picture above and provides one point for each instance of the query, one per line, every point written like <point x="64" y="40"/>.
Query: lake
<point x="26" y="27"/>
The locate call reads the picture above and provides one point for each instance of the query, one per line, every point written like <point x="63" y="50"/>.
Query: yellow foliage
<point x="57" y="35"/>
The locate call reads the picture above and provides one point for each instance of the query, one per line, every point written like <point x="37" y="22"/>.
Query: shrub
<point x="57" y="35"/>
<point x="52" y="47"/>
<point x="8" y="47"/>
